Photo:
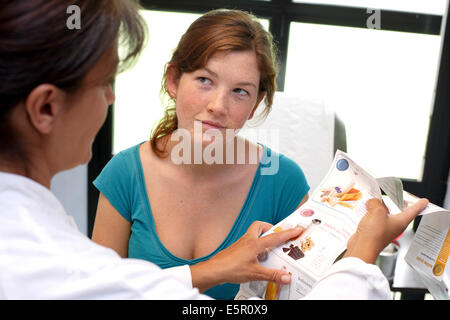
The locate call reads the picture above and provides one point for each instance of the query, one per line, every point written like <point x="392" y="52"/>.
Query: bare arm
<point x="111" y="229"/>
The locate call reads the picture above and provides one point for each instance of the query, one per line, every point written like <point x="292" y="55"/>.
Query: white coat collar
<point x="26" y="190"/>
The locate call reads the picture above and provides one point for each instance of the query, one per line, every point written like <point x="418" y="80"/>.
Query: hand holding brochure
<point x="329" y="217"/>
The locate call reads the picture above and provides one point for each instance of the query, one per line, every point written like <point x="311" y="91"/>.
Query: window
<point x="381" y="83"/>
<point x="138" y="106"/>
<point x="429" y="7"/>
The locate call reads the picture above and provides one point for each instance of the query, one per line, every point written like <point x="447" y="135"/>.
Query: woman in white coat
<point x="55" y="88"/>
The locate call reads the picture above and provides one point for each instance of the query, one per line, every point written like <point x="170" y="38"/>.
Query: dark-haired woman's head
<point x="44" y="62"/>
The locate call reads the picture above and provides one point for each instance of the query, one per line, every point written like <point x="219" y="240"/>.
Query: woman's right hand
<point x="239" y="262"/>
<point x="378" y="228"/>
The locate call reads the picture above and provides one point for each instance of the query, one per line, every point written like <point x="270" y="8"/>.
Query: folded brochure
<point x="428" y="253"/>
<point x="331" y="216"/>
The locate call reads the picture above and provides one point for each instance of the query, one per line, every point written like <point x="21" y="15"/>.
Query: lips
<point x="212" y="125"/>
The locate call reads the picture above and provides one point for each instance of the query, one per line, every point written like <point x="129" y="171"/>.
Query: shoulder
<point x="120" y="169"/>
<point x="286" y="175"/>
<point x="124" y="160"/>
<point x="283" y="167"/>
<point x="126" y="155"/>
<point x="289" y="166"/>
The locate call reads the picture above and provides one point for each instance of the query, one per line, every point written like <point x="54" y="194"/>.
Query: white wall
<point x="305" y="134"/>
<point x="70" y="187"/>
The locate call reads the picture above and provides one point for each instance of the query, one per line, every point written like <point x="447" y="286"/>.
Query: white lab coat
<point x="44" y="256"/>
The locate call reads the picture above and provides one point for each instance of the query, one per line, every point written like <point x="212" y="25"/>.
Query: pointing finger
<point x="277" y="238"/>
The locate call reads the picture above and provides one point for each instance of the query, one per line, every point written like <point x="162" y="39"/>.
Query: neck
<point x="30" y="169"/>
<point x="213" y="160"/>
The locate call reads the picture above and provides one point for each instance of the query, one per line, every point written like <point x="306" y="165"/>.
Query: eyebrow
<point x="245" y="83"/>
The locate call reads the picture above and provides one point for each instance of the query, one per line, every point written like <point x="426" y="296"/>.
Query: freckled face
<point x="222" y="95"/>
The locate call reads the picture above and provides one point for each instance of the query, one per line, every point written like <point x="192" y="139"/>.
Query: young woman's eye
<point x="241" y="92"/>
<point x="204" y="80"/>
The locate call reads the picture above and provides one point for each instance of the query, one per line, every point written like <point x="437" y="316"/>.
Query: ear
<point x="172" y="80"/>
<point x="43" y="105"/>
<point x="260" y="98"/>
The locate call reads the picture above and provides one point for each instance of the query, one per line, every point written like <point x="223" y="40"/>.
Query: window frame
<point x="280" y="14"/>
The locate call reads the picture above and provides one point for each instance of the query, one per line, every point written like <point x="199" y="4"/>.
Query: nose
<point x="219" y="103"/>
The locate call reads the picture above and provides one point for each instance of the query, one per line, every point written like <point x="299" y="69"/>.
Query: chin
<point x="205" y="140"/>
<point x="88" y="157"/>
<point x="85" y="159"/>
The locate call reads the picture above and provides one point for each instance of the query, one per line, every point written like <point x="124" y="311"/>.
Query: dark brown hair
<point x="37" y="46"/>
<point x="216" y="31"/>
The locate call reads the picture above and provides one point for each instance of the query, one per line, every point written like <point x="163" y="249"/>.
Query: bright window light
<point x="423" y="6"/>
<point x="381" y="83"/>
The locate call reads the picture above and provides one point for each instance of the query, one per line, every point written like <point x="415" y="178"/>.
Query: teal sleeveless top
<point x="271" y="198"/>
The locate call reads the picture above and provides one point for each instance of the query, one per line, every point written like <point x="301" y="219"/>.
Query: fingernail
<point x="286" y="278"/>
